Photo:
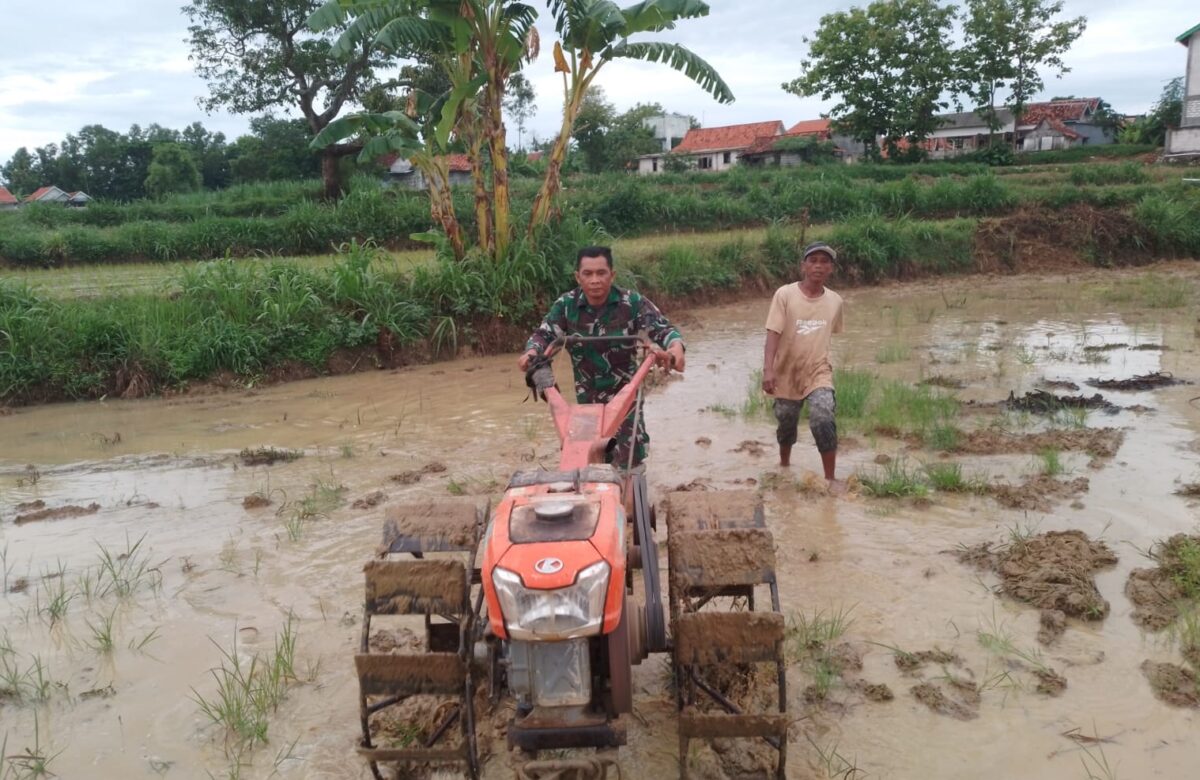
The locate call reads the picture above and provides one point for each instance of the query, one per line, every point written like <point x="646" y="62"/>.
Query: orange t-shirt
<point x="805" y="327"/>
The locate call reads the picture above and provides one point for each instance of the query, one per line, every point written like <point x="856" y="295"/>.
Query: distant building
<point x="967" y="132"/>
<point x="712" y="148"/>
<point x="669" y="129"/>
<point x="1062" y="124"/>
<point x="1185" y="142"/>
<point x="7" y="201"/>
<point x="780" y="150"/>
<point x="49" y="194"/>
<point x="78" y="199"/>
<point x="401" y="171"/>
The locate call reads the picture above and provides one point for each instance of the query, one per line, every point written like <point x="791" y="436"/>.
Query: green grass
<point x="894" y="480"/>
<point x="949" y="478"/>
<point x="892" y="352"/>
<point x="248" y="691"/>
<point x="124" y="573"/>
<point x="1050" y="463"/>
<point x="811" y="641"/>
<point x="757" y="404"/>
<point x="1151" y="291"/>
<point x="1180" y="557"/>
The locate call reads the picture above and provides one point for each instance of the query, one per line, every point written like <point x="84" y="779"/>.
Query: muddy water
<point x="165" y="472"/>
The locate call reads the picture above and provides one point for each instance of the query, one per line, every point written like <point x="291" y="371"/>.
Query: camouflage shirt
<point x="602" y="369"/>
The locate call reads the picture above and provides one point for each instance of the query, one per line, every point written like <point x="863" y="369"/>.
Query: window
<point x="705" y="163"/>
<point x="654" y="164"/>
<point x="726" y="158"/>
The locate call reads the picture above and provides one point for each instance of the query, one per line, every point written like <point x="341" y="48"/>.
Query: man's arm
<point x="769" y="350"/>
<point x="661" y="331"/>
<point x="776" y="317"/>
<point x="553" y="326"/>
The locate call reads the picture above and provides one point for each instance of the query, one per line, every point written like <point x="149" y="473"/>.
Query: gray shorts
<point x="821" y="406"/>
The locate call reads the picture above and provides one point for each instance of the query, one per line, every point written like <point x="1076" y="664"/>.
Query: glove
<point x="539" y="377"/>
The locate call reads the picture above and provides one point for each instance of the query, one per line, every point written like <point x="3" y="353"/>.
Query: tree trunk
<point x="541" y="212"/>
<point x="441" y="204"/>
<point x="493" y="124"/>
<point x="483" y="206"/>
<point x="331" y="181"/>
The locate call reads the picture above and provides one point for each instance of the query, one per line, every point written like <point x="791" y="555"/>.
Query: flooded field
<point x="142" y="549"/>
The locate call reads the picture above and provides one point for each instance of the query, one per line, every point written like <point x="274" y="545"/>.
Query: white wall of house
<point x="1186" y="140"/>
<point x="668" y="126"/>
<point x="715" y="161"/>
<point x="650" y="165"/>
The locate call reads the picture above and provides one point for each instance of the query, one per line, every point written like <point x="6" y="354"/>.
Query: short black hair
<point x="593" y="251"/>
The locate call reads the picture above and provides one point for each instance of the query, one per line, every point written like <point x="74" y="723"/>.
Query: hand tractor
<point x="551" y="597"/>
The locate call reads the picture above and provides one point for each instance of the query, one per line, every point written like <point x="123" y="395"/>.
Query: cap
<point x="820" y="246"/>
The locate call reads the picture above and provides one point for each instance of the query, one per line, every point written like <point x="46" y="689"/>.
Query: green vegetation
<point x="894" y="480"/>
<point x="249" y="691"/>
<point x="949" y="478"/>
<point x="813" y="643"/>
<point x="1050" y="463"/>
<point x="288" y="219"/>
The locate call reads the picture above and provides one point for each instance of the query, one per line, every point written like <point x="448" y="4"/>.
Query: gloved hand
<point x="539" y="377"/>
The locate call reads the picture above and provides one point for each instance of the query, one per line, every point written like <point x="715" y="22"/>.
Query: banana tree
<point x="593" y="33"/>
<point x="480" y="44"/>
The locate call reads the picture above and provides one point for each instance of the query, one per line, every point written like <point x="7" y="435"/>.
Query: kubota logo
<point x="548" y="566"/>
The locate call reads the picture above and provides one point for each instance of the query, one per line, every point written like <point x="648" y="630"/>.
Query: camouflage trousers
<point x="821" y="406"/>
<point x="618" y="449"/>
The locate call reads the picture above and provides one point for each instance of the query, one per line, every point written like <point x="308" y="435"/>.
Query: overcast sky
<point x="122" y="62"/>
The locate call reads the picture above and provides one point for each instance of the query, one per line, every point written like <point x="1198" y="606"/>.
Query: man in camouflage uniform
<point x="597" y="308"/>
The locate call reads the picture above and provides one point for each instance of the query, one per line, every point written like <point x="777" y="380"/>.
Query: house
<point x="1184" y="143"/>
<point x="7" y="201"/>
<point x="78" y="199"/>
<point x="401" y="171"/>
<point x="668" y="129"/>
<point x="49" y="194"/>
<point x="1061" y="124"/>
<point x="966" y="132"/>
<point x="783" y="150"/>
<point x="712" y="148"/>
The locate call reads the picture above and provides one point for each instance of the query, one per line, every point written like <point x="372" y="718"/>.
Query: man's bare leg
<point x="785" y="455"/>
<point x="829" y="461"/>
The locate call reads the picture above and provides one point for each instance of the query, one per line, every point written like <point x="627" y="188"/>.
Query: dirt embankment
<point x="1097" y="442"/>
<point x="42" y="512"/>
<point x="1032" y="239"/>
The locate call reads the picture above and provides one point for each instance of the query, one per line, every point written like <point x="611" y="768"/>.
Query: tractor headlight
<point x="566" y="613"/>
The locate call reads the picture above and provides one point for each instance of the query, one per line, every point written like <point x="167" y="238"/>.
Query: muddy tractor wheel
<point x="720" y="552"/>
<point x="425" y="567"/>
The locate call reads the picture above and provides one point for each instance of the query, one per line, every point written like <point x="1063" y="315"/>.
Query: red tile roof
<point x="1062" y="110"/>
<point x="535" y="156"/>
<point x="460" y="163"/>
<point x="810" y="127"/>
<point x="6" y="197"/>
<point x="39" y="192"/>
<point x="714" y="139"/>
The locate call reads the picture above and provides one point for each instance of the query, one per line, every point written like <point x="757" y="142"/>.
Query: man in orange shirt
<point x="804" y="316"/>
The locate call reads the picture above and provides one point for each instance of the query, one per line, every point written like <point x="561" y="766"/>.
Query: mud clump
<point x="1158" y="593"/>
<point x="412" y="477"/>
<point x="965" y="706"/>
<point x="755" y="449"/>
<point x="1190" y="490"/>
<point x="255" y="501"/>
<point x="268" y="456"/>
<point x="1037" y="493"/>
<point x="1053" y="571"/>
<point x="1053" y="623"/>
<point x="1140" y="382"/>
<point x="57" y="513"/>
<point x="947" y="382"/>
<point x="1060" y="384"/>
<point x="1173" y="684"/>
<point x="1099" y="442"/>
<point x="1050" y="682"/>
<point x="370" y="500"/>
<point x="876" y="692"/>
<point x="704" y="441"/>
<point x="1041" y="402"/>
<point x="19" y="585"/>
<point x="29" y="506"/>
<point x="910" y="663"/>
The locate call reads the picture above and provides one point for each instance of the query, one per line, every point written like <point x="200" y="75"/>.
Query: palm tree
<point x="480" y="44"/>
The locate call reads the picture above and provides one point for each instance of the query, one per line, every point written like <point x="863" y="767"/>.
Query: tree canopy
<point x="890" y="65"/>
<point x="260" y="55"/>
